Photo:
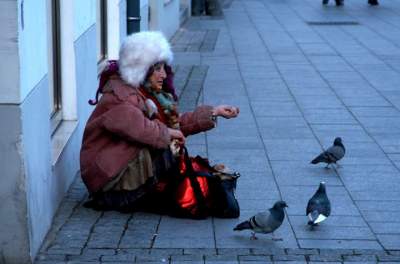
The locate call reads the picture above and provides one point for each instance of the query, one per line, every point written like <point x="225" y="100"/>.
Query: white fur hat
<point x="139" y="52"/>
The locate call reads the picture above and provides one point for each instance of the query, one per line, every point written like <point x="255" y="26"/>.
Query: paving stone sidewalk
<point x="302" y="74"/>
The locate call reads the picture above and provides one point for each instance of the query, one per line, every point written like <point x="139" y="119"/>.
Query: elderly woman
<point x="132" y="154"/>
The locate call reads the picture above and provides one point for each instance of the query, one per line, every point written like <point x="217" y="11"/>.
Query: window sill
<point x="61" y="137"/>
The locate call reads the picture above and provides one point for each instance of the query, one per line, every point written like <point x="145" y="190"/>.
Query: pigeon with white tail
<point x="319" y="206"/>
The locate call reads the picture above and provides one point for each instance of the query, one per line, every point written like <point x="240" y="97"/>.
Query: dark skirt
<point x="158" y="193"/>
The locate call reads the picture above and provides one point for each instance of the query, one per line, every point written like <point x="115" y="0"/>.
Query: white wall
<point x="85" y="16"/>
<point x="9" y="71"/>
<point x="32" y="44"/>
<point x="35" y="117"/>
<point x="164" y="17"/>
<point x="144" y="14"/>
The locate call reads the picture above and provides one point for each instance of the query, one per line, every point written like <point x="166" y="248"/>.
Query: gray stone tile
<point x="301" y="173"/>
<point x="291" y="149"/>
<point x="330" y="63"/>
<point x="329" y="262"/>
<point x="349" y="133"/>
<point x="389" y="142"/>
<point x="255" y="262"/>
<point x="262" y="186"/>
<point x="283" y="128"/>
<point x="375" y="195"/>
<point x="385" y="227"/>
<point x="317" y="49"/>
<point x="255" y="205"/>
<point x="390" y="206"/>
<point x="332" y="222"/>
<point x="234" y="159"/>
<point x="365" y="101"/>
<point x="328" y="116"/>
<point x="325" y="231"/>
<point x="274" y="108"/>
<point x="186" y="58"/>
<point x="234" y="141"/>
<point x="338" y="244"/>
<point x="381" y="178"/>
<point x="390" y="242"/>
<point x="376" y="125"/>
<point x="377" y="216"/>
<point x="186" y="262"/>
<point x="319" y="102"/>
<point x="184" y="228"/>
<point x="254" y="258"/>
<point x="320" y="89"/>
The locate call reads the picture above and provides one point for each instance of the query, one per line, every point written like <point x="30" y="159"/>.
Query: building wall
<point x="84" y="15"/>
<point x="122" y="21"/>
<point x="164" y="17"/>
<point x="34" y="180"/>
<point x="24" y="27"/>
<point x="9" y="72"/>
<point x="40" y="183"/>
<point x="144" y="14"/>
<point x="32" y="35"/>
<point x="14" y="243"/>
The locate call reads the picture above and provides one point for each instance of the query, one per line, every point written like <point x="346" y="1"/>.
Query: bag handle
<point x="191" y="174"/>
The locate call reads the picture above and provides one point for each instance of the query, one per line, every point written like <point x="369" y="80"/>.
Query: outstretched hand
<point x="226" y="111"/>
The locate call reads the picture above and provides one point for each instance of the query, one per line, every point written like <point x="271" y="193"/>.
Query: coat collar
<point x="121" y="89"/>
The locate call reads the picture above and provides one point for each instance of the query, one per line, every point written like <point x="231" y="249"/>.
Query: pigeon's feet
<point x="253" y="236"/>
<point x="373" y="2"/>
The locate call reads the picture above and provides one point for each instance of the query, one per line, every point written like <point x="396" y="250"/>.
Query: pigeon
<point x="265" y="222"/>
<point x="332" y="154"/>
<point x="319" y="206"/>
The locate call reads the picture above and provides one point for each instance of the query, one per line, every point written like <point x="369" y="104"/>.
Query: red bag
<point x="193" y="194"/>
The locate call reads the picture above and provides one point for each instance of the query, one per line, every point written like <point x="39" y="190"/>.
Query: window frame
<point x="101" y="26"/>
<point x="55" y="64"/>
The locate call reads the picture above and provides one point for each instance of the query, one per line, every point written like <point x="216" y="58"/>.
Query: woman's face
<point x="157" y="77"/>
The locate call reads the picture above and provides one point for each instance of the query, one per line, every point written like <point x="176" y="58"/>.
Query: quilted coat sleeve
<point x="129" y="122"/>
<point x="197" y="121"/>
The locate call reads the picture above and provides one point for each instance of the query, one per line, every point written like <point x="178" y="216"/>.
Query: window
<point x="101" y="24"/>
<point x="54" y="63"/>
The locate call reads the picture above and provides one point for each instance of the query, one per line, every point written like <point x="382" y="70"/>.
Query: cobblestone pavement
<point x="302" y="74"/>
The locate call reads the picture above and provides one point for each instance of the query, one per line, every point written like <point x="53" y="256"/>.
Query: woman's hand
<point x="176" y="134"/>
<point x="226" y="111"/>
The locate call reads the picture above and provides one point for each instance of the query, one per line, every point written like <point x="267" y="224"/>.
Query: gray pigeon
<point x="265" y="222"/>
<point x="319" y="206"/>
<point x="332" y="154"/>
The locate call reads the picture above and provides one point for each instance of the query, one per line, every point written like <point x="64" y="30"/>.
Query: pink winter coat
<point x="119" y="127"/>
